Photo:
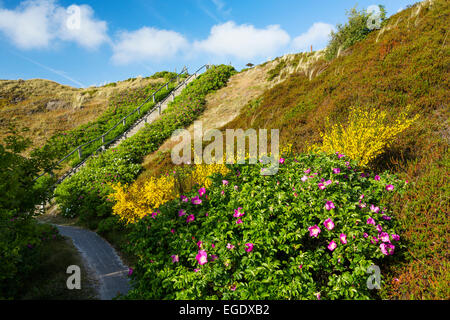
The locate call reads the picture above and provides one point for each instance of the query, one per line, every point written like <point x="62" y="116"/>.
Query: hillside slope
<point x="406" y="63"/>
<point x="48" y="108"/>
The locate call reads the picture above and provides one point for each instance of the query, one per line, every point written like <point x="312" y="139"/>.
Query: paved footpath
<point x="101" y="257"/>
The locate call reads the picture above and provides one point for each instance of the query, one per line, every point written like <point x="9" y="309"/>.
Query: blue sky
<point x="84" y="43"/>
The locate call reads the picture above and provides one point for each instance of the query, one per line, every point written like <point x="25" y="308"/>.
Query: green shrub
<point x="286" y="262"/>
<point x="21" y="243"/>
<point x="353" y="31"/>
<point x="20" y="235"/>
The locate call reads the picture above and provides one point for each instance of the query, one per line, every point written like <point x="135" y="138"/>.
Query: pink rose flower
<point x="332" y="245"/>
<point x="202" y="257"/>
<point x="230" y="246"/>
<point x="249" y="247"/>
<point x="238" y="213"/>
<point x="387" y="249"/>
<point x="314" y="231"/>
<point x="329" y="205"/>
<point x="343" y="238"/>
<point x="384" y="237"/>
<point x="329" y="224"/>
<point x="196" y="200"/>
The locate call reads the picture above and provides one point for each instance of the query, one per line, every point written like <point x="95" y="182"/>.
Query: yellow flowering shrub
<point x="138" y="200"/>
<point x="365" y="135"/>
<point x="141" y="199"/>
<point x="203" y="171"/>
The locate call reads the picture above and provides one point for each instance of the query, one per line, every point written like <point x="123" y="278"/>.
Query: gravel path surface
<point x="101" y="257"/>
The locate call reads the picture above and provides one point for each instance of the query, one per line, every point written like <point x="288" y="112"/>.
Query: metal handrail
<point x="104" y="144"/>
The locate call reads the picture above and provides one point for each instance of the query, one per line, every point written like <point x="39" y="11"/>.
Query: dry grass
<point x="47" y="108"/>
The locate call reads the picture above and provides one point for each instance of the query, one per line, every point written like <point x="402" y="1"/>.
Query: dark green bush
<point x="20" y="235"/>
<point x="286" y="262"/>
<point x="353" y="31"/>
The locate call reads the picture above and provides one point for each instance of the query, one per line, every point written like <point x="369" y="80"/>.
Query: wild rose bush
<point x="311" y="231"/>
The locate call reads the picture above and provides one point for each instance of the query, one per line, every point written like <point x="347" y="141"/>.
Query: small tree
<point x="250" y="65"/>
<point x="359" y="25"/>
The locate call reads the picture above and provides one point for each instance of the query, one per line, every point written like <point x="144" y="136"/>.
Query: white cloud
<point x="147" y="44"/>
<point x="27" y="26"/>
<point x="219" y="4"/>
<point x="243" y="41"/>
<point x="38" y="23"/>
<point x="317" y="36"/>
<point x="77" y="24"/>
